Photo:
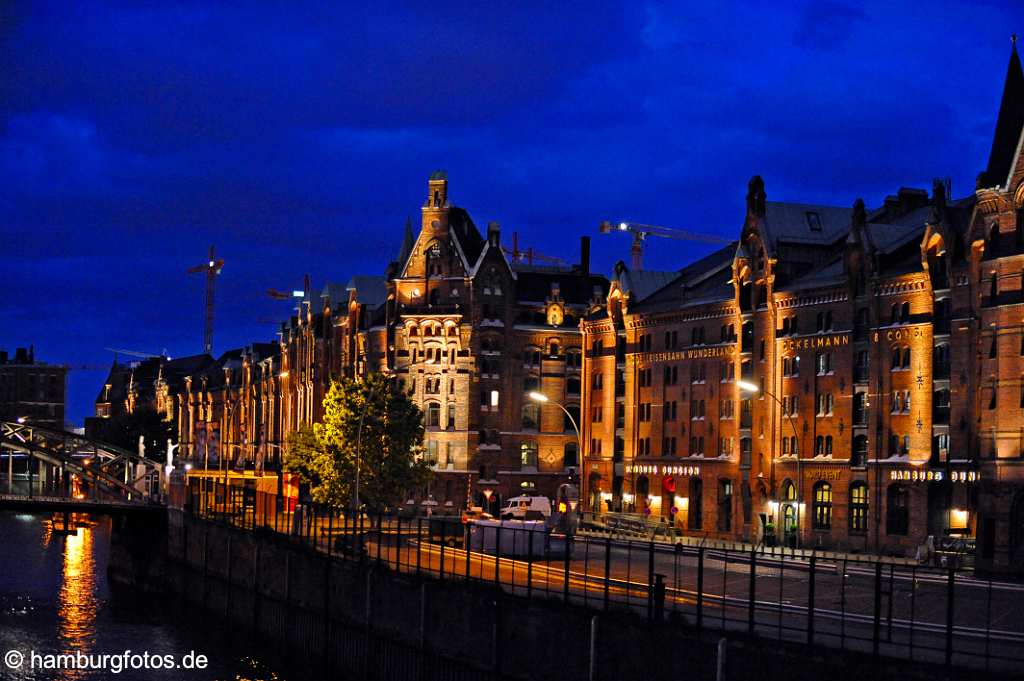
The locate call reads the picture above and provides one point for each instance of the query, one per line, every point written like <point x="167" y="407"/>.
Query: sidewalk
<point x="642" y="529"/>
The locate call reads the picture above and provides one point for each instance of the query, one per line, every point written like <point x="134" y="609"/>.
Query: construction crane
<point x="296" y="293"/>
<point x="136" y="353"/>
<point x="212" y="268"/>
<point x="641" y="232"/>
<point x="529" y="255"/>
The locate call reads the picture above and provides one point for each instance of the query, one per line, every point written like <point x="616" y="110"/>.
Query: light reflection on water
<point x="54" y="598"/>
<point x="77" y="601"/>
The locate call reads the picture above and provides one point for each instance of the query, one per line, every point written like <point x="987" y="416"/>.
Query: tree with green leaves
<point x="388" y="428"/>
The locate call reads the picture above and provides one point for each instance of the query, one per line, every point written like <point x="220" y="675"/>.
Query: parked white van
<point x="527" y="508"/>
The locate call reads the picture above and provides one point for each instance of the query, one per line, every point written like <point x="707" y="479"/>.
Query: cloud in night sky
<point x="134" y="135"/>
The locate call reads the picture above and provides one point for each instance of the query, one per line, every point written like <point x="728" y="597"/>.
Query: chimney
<point x="585" y="257"/>
<point x="494" y="234"/>
<point x="911" y="198"/>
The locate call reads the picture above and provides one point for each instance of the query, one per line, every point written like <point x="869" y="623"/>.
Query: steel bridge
<point x="47" y="469"/>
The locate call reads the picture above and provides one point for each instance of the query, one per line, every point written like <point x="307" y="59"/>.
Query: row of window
<point x="573" y="357"/>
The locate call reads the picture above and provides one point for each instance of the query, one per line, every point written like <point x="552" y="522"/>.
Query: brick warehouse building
<point x="466" y="330"/>
<point x="885" y="353"/>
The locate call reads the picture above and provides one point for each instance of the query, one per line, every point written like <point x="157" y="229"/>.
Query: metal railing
<point x="870" y="605"/>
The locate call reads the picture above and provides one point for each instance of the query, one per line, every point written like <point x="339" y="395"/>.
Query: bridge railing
<point x="847" y="602"/>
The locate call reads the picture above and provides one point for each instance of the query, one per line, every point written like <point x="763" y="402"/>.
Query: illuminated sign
<point x="822" y="474"/>
<point x="916" y="475"/>
<point x="832" y="340"/>
<point x="662" y="469"/>
<point x="695" y="353"/>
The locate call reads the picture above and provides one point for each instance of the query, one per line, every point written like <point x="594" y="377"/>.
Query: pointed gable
<point x="1007" y="139"/>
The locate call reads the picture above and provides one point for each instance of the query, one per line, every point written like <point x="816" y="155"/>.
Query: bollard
<point x="720" y="666"/>
<point x="658" y="596"/>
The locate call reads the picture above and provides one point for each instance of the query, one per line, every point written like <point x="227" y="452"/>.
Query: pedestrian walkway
<point x="631" y="526"/>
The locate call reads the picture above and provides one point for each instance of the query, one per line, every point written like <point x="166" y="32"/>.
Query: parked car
<point x="527" y="508"/>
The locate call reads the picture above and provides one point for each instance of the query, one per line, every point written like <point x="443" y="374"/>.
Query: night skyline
<point x="134" y="138"/>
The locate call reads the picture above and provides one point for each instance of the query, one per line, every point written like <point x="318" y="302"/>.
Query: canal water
<point x="55" y="599"/>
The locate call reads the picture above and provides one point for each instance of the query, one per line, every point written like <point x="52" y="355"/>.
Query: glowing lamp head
<point x="623" y="226"/>
<point x="536" y="396"/>
<point x="747" y="386"/>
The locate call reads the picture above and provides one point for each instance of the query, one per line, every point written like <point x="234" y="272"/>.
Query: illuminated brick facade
<point x="885" y="354"/>
<point x="464" y="329"/>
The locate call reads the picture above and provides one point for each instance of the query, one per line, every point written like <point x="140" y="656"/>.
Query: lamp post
<point x="542" y="398"/>
<point x="748" y="387"/>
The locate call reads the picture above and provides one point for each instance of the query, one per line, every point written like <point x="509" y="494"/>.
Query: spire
<point x="1010" y="122"/>
<point x="407" y="241"/>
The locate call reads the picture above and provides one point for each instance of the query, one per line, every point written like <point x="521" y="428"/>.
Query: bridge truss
<point x="74" y="468"/>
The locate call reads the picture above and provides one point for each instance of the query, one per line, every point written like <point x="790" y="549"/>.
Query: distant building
<point x="32" y="390"/>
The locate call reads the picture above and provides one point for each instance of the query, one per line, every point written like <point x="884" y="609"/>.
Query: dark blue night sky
<point x="133" y="136"/>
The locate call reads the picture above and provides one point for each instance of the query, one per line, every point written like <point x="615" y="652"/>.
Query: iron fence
<point x="864" y="604"/>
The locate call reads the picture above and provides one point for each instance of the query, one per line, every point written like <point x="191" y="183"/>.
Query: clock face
<point x="555" y="315"/>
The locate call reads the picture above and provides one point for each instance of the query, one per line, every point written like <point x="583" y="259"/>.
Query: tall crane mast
<point x="212" y="268"/>
<point x="641" y="231"/>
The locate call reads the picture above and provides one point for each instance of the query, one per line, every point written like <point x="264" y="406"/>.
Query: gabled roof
<point x="466" y="233"/>
<point x="575" y="289"/>
<point x="804" y="223"/>
<point x="643" y="283"/>
<point x="370" y="290"/>
<point x="1009" y="125"/>
<point x="334" y="293"/>
<point x="829" y="275"/>
<point x="702" y="281"/>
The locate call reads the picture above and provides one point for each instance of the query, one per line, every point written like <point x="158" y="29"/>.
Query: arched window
<point x="433" y="415"/>
<point x="897" y="516"/>
<point x="788" y="491"/>
<point x="570" y="454"/>
<point x="860" y="450"/>
<point x="822" y="507"/>
<point x="859" y="507"/>
<point x="531" y="417"/>
<point x="451" y="416"/>
<point x="695" y="503"/>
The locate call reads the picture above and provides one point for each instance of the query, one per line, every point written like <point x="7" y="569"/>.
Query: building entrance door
<point x="789" y="524"/>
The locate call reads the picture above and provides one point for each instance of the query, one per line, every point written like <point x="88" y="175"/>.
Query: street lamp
<point x="542" y="398"/>
<point x="753" y="388"/>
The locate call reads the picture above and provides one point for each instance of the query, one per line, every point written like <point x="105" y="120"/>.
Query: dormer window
<point x="813" y="221"/>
